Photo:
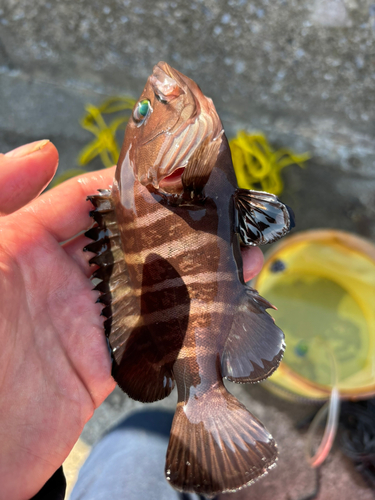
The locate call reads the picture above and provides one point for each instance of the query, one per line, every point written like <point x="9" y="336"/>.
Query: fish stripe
<point x="168" y="251"/>
<point x="158" y="233"/>
<point x="197" y="308"/>
<point x="147" y="220"/>
<point x="204" y="291"/>
<point x="199" y="278"/>
<point x="194" y="279"/>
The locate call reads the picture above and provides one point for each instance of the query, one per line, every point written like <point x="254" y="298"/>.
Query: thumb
<point x="24" y="173"/>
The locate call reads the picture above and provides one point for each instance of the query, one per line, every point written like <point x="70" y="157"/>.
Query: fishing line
<point x="330" y="408"/>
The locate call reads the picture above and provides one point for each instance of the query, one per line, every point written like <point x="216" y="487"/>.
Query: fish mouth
<point x="172" y="183"/>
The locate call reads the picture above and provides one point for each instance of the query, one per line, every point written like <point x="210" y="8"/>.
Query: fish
<point x="167" y="239"/>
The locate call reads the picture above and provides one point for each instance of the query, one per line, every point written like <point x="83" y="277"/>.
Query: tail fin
<point x="216" y="445"/>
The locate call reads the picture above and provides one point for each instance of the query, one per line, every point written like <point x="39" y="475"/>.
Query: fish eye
<point x="142" y="110"/>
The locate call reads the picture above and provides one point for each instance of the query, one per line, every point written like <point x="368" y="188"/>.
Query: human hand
<point x="54" y="363"/>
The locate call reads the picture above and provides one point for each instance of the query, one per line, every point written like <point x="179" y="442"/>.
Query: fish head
<point x="172" y="127"/>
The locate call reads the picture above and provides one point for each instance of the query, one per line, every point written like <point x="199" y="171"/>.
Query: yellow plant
<point x="256" y="163"/>
<point x="105" y="144"/>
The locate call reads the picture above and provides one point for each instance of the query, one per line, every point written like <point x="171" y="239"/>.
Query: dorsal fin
<point x="110" y="259"/>
<point x="138" y="364"/>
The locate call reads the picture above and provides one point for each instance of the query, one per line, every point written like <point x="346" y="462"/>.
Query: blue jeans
<point x="128" y="462"/>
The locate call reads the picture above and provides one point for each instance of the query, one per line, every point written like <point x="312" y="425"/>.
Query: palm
<point x="51" y="321"/>
<point x="54" y="364"/>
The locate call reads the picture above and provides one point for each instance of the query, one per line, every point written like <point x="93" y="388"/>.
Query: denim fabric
<point x="128" y="462"/>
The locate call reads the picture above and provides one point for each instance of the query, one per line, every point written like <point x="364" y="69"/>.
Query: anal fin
<point x="255" y="345"/>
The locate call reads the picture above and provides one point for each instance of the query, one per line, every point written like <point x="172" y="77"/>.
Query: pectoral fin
<point x="255" y="345"/>
<point x="262" y="217"/>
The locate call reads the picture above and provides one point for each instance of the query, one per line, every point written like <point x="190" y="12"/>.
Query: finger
<point x="24" y="173"/>
<point x="64" y="210"/>
<point x="74" y="248"/>
<point x="252" y="258"/>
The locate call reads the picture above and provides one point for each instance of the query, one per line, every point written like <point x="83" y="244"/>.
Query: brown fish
<point x="167" y="240"/>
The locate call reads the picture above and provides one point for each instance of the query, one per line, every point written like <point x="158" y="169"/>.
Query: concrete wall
<point x="301" y="70"/>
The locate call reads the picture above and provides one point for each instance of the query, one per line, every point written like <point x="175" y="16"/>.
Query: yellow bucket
<point x="323" y="284"/>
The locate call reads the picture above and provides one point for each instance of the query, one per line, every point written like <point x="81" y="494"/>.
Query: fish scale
<point x="167" y="239"/>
